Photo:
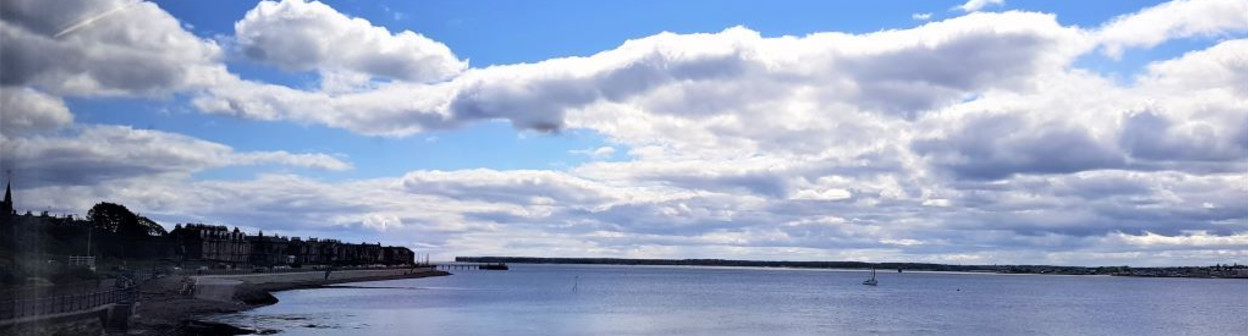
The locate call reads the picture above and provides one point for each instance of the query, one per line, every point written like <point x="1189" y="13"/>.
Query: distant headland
<point x="1216" y="271"/>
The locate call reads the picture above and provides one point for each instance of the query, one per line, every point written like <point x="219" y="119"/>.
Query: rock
<point x="253" y="295"/>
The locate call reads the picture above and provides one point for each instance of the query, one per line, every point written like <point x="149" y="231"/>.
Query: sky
<point x="980" y="132"/>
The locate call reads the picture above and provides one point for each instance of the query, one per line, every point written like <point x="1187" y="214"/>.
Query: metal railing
<point x="14" y="309"/>
<point x="69" y="289"/>
<point x="127" y="292"/>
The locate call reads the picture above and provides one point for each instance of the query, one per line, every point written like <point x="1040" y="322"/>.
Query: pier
<point x="470" y="266"/>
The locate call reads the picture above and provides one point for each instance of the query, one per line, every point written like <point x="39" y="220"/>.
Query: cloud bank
<point x="975" y="139"/>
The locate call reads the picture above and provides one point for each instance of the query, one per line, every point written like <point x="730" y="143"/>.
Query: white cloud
<point x="24" y="110"/>
<point x="1192" y="239"/>
<point x="597" y="153"/>
<point x="304" y="36"/>
<point x="520" y="187"/>
<point x="537" y="212"/>
<point x="381" y="222"/>
<point x="107" y="48"/>
<point x="973" y="139"/>
<point x="136" y="49"/>
<point x="1220" y="69"/>
<point x="1175" y="19"/>
<point x="1206" y="122"/>
<point x="393" y="109"/>
<point x="921" y="16"/>
<point x="976" y="5"/>
<point x="96" y="154"/>
<point x="308" y="160"/>
<point x="830" y="194"/>
<point x="928" y="143"/>
<point x="901" y="72"/>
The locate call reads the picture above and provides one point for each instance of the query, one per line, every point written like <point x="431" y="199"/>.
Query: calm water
<point x="622" y="300"/>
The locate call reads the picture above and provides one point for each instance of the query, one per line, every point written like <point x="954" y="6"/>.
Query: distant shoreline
<point x="1219" y="271"/>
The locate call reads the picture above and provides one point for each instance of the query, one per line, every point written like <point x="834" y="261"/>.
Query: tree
<point x="112" y="217"/>
<point x="123" y="233"/>
<point x="116" y="218"/>
<point x="152" y="228"/>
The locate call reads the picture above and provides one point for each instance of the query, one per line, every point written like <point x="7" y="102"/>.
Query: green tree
<point x="152" y="228"/>
<point x="116" y="218"/>
<point x="112" y="217"/>
<point x="122" y="233"/>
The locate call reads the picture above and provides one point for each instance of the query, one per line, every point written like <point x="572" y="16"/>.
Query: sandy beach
<point x="166" y="312"/>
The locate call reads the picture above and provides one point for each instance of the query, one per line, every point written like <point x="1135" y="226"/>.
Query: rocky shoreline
<point x="164" y="312"/>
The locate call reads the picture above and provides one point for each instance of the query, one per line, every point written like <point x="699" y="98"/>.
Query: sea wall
<point x="86" y="322"/>
<point x="242" y="287"/>
<point x="216" y="289"/>
<point x="313" y="276"/>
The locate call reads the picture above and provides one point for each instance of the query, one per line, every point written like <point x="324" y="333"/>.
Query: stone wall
<point x="75" y="324"/>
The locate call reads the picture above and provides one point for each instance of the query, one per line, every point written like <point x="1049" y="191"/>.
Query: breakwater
<point x="222" y="287"/>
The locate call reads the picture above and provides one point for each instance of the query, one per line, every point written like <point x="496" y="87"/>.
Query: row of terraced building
<point x="218" y="245"/>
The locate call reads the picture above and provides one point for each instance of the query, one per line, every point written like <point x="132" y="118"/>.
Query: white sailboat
<point x="871" y="281"/>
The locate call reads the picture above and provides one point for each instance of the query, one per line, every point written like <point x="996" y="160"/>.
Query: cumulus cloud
<point x="974" y="139"/>
<point x="921" y="16"/>
<point x="24" y="110"/>
<point x="1207" y="121"/>
<point x="521" y="187"/>
<point x="115" y="47"/>
<point x="993" y="148"/>
<point x="307" y="160"/>
<point x="1191" y="239"/>
<point x="597" y="153"/>
<point x="1022" y="161"/>
<point x="976" y="5"/>
<point x="97" y="154"/>
<point x="107" y="48"/>
<point x="1220" y="69"/>
<point x="534" y="212"/>
<point x="393" y="109"/>
<point x="305" y="36"/>
<point x="900" y="72"/>
<point x="1175" y="19"/>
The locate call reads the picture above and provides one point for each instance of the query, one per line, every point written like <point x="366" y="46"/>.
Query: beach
<point x="166" y="310"/>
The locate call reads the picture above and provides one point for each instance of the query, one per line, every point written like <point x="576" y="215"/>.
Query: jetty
<point x="498" y="266"/>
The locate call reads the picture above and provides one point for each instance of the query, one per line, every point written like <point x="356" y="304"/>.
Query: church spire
<point x="6" y="208"/>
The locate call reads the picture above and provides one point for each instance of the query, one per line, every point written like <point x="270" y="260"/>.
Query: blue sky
<point x="983" y="131"/>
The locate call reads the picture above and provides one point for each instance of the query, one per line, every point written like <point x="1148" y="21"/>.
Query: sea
<point x="552" y="300"/>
